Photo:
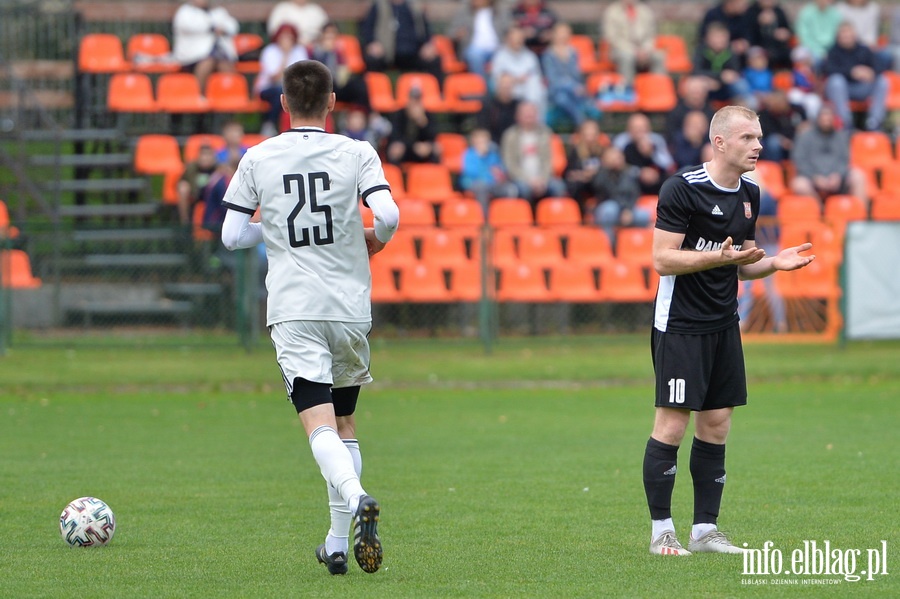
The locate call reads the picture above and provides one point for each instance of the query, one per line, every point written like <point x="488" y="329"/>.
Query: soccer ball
<point x="87" y="521"/>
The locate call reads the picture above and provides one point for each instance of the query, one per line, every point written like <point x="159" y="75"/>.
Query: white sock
<point x="336" y="464"/>
<point x="337" y="540"/>
<point x="659" y="527"/>
<point x="698" y="530"/>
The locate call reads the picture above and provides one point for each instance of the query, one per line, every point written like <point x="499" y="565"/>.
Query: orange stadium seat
<point x="588" y="61"/>
<point x="587" y="245"/>
<point x="7" y="231"/>
<point x="452" y="145"/>
<point x="796" y="208"/>
<point x="678" y="59"/>
<point x="384" y="287"/>
<point x="430" y="182"/>
<point x="575" y="283"/>
<point x="16" y="270"/>
<point x="180" y="93"/>
<point x="771" y="174"/>
<point x="871" y="150"/>
<point x="655" y="92"/>
<point x="416" y="213"/>
<point x="151" y="53"/>
<point x="842" y="209"/>
<point x="157" y="154"/>
<point x="399" y="252"/>
<point x="444" y="248"/>
<point x="197" y="230"/>
<point x="893" y="98"/>
<point x="540" y="247"/>
<point x="466" y="283"/>
<point x="450" y="63"/>
<point x="558" y="158"/>
<point x="598" y="81"/>
<point x="381" y="92"/>
<point x="635" y="246"/>
<point x="462" y="212"/>
<point x="428" y="86"/>
<point x="424" y="282"/>
<point x="649" y="203"/>
<point x="394" y="177"/>
<point x="523" y="283"/>
<point x="349" y="46"/>
<point x="555" y="212"/>
<point x="886" y="206"/>
<point x="130" y="92"/>
<point x="229" y="92"/>
<point x="463" y="92"/>
<point x="624" y="282"/>
<point x="504" y="245"/>
<point x="245" y="43"/>
<point x="195" y="141"/>
<point x="510" y="212"/>
<point x="101" y="53"/>
<point x="170" y="187"/>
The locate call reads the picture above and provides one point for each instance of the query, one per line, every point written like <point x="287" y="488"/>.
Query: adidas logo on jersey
<point x="717" y="211"/>
<point x="671" y="471"/>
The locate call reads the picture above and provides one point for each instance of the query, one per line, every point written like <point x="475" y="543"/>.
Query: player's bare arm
<point x="373" y="244"/>
<point x="790" y="258"/>
<point x="670" y="259"/>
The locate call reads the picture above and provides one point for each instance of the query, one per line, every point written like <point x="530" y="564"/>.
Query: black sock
<point x="659" y="477"/>
<point x="708" y="472"/>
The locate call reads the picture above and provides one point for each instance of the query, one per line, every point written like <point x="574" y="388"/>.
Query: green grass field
<point x="511" y="475"/>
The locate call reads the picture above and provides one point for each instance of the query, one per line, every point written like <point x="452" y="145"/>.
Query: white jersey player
<point x="306" y="184"/>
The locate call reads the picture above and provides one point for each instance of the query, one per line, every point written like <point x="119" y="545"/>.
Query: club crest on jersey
<point x="747" y="212"/>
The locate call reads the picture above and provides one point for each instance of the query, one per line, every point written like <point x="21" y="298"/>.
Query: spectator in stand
<point x="525" y="149"/>
<point x="565" y="81"/>
<point x="203" y="39"/>
<point x="396" y="34"/>
<point x="768" y="27"/>
<point x="731" y="14"/>
<point x="852" y="72"/>
<point x="307" y="18"/>
<point x="514" y="59"/>
<point x="821" y="158"/>
<point x="779" y="120"/>
<point x="372" y="128"/>
<point x="414" y="134"/>
<point x="194" y="178"/>
<point x="477" y="28"/>
<point x="805" y="90"/>
<point x="817" y="24"/>
<point x="348" y="88"/>
<point x="687" y="147"/>
<point x="498" y="112"/>
<point x="282" y="52"/>
<point x="213" y="193"/>
<point x="233" y="134"/>
<point x="536" y="20"/>
<point x="693" y="95"/>
<point x="647" y="150"/>
<point x="893" y="42"/>
<point x="617" y="189"/>
<point x="483" y="173"/>
<point x="583" y="154"/>
<point x="721" y="67"/>
<point x="757" y="74"/>
<point x="629" y="26"/>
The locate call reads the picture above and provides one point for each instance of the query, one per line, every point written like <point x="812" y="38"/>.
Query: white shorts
<point x="334" y="353"/>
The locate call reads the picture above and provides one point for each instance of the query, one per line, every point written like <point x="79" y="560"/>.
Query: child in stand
<point x="483" y="173"/>
<point x="805" y="91"/>
<point x="758" y="74"/>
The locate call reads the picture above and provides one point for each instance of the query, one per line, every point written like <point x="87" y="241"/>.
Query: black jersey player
<point x="704" y="242"/>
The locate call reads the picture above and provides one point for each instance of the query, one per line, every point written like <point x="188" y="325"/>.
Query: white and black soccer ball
<point x="87" y="522"/>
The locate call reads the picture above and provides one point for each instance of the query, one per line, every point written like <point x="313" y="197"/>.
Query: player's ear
<point x="331" y="101"/>
<point x="284" y="105"/>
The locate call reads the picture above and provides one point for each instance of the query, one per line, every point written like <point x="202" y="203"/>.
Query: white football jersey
<point x="307" y="184"/>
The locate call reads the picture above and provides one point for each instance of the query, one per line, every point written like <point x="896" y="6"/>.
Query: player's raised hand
<point x="741" y="257"/>
<point x="373" y="245"/>
<point x="790" y="258"/>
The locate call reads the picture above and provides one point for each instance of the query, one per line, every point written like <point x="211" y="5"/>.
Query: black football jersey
<point x="706" y="213"/>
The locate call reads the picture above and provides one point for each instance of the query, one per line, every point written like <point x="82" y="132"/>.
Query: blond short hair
<point x="720" y="125"/>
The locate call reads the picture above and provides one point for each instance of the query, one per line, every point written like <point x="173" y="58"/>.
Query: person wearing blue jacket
<point x="483" y="173"/>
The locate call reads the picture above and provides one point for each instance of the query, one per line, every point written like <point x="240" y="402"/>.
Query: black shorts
<point x="699" y="372"/>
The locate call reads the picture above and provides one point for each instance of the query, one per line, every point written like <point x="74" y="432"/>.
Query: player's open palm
<point x="790" y="258"/>
<point x="741" y="257"/>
